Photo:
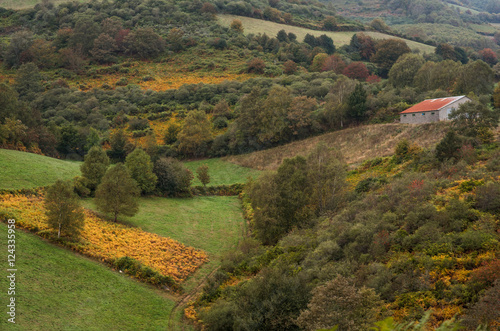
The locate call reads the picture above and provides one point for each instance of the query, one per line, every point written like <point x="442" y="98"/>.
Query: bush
<point x="219" y="123"/>
<point x="138" y="124"/>
<point x="134" y="268"/>
<point x="256" y="66"/>
<point x="173" y="178"/>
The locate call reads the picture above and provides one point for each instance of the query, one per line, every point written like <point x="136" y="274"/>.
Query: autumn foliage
<point x="107" y="242"/>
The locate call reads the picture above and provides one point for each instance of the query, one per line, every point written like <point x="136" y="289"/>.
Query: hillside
<point x="27" y="170"/>
<point x="58" y="290"/>
<point x="253" y="25"/>
<point x="357" y="144"/>
<point x="23" y="4"/>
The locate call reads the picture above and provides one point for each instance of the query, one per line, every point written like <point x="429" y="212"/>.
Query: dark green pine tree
<point x="356" y="103"/>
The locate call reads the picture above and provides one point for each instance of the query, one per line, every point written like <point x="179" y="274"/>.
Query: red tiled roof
<point x="431" y="104"/>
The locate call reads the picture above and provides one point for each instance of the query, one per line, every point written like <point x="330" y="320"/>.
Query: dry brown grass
<point x="356" y="144"/>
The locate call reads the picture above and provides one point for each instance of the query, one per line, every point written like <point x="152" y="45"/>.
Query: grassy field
<point x="22" y="4"/>
<point x="213" y="224"/>
<point x="222" y="172"/>
<point x="252" y="25"/>
<point x="464" y="9"/>
<point x="356" y="144"/>
<point x="27" y="170"/>
<point x="58" y="290"/>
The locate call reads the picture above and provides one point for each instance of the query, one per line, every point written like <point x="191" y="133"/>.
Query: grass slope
<point x="23" y="4"/>
<point x="27" y="170"/>
<point x="213" y="224"/>
<point x="356" y="144"/>
<point x="222" y="172"/>
<point x="58" y="290"/>
<point x="253" y="25"/>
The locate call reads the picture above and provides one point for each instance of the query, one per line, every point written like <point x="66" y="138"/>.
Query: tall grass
<point x="356" y="144"/>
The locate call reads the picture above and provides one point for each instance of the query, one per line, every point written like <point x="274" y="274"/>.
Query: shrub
<point x="173" y="177"/>
<point x="256" y="66"/>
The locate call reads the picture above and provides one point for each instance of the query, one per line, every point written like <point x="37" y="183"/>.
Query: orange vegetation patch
<point x="108" y="241"/>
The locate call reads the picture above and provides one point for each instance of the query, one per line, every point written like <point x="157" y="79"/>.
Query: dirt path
<point x="181" y="303"/>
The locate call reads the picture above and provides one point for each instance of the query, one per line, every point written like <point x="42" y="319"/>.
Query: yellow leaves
<point x="106" y="241"/>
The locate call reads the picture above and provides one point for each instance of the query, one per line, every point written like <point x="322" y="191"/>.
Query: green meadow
<point x="222" y="172"/>
<point x="253" y="25"/>
<point x="57" y="289"/>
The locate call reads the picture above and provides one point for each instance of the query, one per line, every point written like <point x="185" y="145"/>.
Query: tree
<point x="336" y="105"/>
<point x="69" y="141"/>
<point x="379" y="25"/>
<point x="340" y="303"/>
<point x="173" y="177"/>
<point x="318" y="61"/>
<point x="432" y="75"/>
<point x="195" y="134"/>
<point x="140" y="168"/>
<point x="117" y="193"/>
<point x="388" y="52"/>
<point x="330" y="23"/>
<point x="28" y="81"/>
<point x="94" y="167"/>
<point x="476" y="77"/>
<point x="93" y="139"/>
<point x="104" y="49"/>
<point x="289" y="67"/>
<point x="118" y="144"/>
<point x="145" y="43"/>
<point x="472" y="118"/>
<point x="449" y="146"/>
<point x="237" y="26"/>
<point x="8" y="102"/>
<point x="326" y="173"/>
<point x="203" y="175"/>
<point x="488" y="56"/>
<point x="63" y="210"/>
<point x="256" y="65"/>
<point x="280" y="200"/>
<point x="171" y="134"/>
<point x="356" y="103"/>
<point x="356" y="70"/>
<point x="272" y="117"/>
<point x="404" y="70"/>
<point x="334" y="63"/>
<point x="84" y="34"/>
<point x="20" y="42"/>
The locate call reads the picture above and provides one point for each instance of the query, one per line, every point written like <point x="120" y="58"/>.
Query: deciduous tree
<point x="173" y="177"/>
<point x="195" y="134"/>
<point x="140" y="168"/>
<point x="63" y="210"/>
<point x="388" y="52"/>
<point x="404" y="70"/>
<point x="203" y="175"/>
<point x="94" y="166"/>
<point x="117" y="193"/>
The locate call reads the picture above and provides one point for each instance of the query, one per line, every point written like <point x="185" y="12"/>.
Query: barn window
<point x="404" y="115"/>
<point x="432" y="113"/>
<point x="423" y="114"/>
<point x="412" y="114"/>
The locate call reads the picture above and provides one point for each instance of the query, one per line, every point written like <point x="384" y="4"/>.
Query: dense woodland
<point x="391" y="240"/>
